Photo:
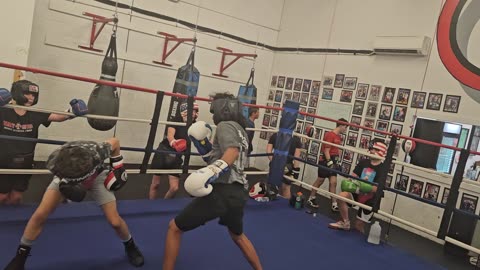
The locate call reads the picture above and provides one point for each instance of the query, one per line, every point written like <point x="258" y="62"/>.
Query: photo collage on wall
<point x="304" y="91"/>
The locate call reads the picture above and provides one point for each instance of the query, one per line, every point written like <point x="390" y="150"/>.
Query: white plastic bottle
<point x="375" y="233"/>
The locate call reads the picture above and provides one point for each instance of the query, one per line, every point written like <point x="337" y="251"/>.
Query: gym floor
<point x="138" y="189"/>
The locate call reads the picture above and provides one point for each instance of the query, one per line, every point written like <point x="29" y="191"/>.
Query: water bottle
<point x="298" y="200"/>
<point x="375" y="233"/>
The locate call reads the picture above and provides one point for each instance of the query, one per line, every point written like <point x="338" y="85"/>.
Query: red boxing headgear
<point x="381" y="148"/>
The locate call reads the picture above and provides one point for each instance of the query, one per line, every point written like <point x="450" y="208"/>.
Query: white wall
<point x="17" y="30"/>
<point x="59" y="27"/>
<point x="351" y="24"/>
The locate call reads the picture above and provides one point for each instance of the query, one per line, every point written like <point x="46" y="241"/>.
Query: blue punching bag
<point x="104" y="99"/>
<point x="248" y="93"/>
<point x="186" y="83"/>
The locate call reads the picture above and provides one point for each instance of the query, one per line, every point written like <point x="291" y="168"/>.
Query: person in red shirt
<point x="329" y="157"/>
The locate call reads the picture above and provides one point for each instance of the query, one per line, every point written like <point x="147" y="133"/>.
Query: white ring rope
<point x="93" y="115"/>
<point x="129" y="171"/>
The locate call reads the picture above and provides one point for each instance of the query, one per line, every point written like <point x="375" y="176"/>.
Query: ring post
<point x="153" y="132"/>
<point x="288" y="123"/>
<point x="453" y="195"/>
<point x="382" y="174"/>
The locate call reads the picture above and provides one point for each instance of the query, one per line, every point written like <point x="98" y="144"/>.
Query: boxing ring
<point x="76" y="236"/>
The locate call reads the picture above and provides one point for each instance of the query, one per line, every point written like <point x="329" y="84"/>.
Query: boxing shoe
<point x="18" y="262"/>
<point x="135" y="257"/>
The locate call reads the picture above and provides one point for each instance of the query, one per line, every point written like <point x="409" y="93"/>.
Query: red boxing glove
<point x="117" y="177"/>
<point x="179" y="145"/>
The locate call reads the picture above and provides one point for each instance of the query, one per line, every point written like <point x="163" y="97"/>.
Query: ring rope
<point x="130" y="171"/>
<point x="93" y="115"/>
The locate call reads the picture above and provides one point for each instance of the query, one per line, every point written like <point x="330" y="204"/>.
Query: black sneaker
<point x="18" y="262"/>
<point x="134" y="255"/>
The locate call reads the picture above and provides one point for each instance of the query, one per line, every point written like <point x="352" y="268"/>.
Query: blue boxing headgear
<point x="227" y="109"/>
<point x="21" y="88"/>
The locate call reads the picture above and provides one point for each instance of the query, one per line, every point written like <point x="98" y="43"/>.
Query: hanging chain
<point x="115" y="19"/>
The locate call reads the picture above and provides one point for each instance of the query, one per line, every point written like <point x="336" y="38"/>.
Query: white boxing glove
<point x="198" y="184"/>
<point x="200" y="130"/>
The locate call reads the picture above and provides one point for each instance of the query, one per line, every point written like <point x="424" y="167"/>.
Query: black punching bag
<point x="104" y="99"/>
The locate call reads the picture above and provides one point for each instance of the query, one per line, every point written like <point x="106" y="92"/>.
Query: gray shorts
<point x="98" y="192"/>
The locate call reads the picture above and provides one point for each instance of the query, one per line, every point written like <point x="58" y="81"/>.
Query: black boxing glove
<point x="117" y="177"/>
<point x="75" y="192"/>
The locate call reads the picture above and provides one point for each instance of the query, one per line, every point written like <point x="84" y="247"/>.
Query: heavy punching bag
<point x="104" y="99"/>
<point x="248" y="93"/>
<point x="186" y="83"/>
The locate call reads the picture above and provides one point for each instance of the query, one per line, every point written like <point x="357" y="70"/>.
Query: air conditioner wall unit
<point x="402" y="45"/>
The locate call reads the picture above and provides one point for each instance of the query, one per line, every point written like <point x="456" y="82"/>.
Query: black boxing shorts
<point x="15" y="182"/>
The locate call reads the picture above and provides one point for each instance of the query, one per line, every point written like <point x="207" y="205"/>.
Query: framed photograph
<point x="362" y="91"/>
<point x="375" y="91"/>
<point x="306" y="85"/>
<point x="401" y="182"/>
<point x="396" y="128"/>
<point x="301" y="116"/>
<point x="316" y="87"/>
<point x="468" y="203"/>
<point x="364" y="141"/>
<point x="269" y="135"/>
<point x="273" y="82"/>
<point x="358" y="107"/>
<point x="388" y="95"/>
<point x="276" y="112"/>
<point x="348" y="156"/>
<point x="452" y="103"/>
<point x="327" y="80"/>
<point x="418" y="99"/>
<point x="385" y="112"/>
<point x="313" y="102"/>
<point x="310" y="118"/>
<point x="346" y="167"/>
<point x="281" y="82"/>
<point x="296" y="96"/>
<point x="263" y="135"/>
<point x="287" y="96"/>
<point x="416" y="187"/>
<point x="357" y="121"/>
<point x="289" y="84"/>
<point x="350" y="83"/>
<point x="303" y="155"/>
<point x="268" y="110"/>
<point x="327" y="93"/>
<point x="274" y="121"/>
<point x="446" y="192"/>
<point x="371" y="109"/>
<point x="266" y="120"/>
<point x="388" y="181"/>
<point x="396" y="151"/>
<point x="369" y="123"/>
<point x="278" y="96"/>
<point x="298" y="84"/>
<point x="299" y="126"/>
<point x="304" y="99"/>
<point x="352" y="139"/>
<point x="382" y="126"/>
<point x="403" y="96"/>
<point x="434" y="101"/>
<point x="399" y="113"/>
<point x="431" y="192"/>
<point x="314" y="147"/>
<point x="342" y="138"/>
<point x="318" y="133"/>
<point x="271" y="94"/>
<point x="346" y="96"/>
<point x="339" y="78"/>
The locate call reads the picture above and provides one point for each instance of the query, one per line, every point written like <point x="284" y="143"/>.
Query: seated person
<point x="78" y="168"/>
<point x="361" y="192"/>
